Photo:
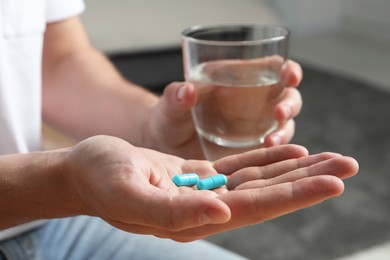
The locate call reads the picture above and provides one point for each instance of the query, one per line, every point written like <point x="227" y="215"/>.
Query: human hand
<point x="171" y="126"/>
<point x="131" y="188"/>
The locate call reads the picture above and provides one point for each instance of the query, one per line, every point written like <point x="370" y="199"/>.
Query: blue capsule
<point x="212" y="182"/>
<point x="186" y="179"/>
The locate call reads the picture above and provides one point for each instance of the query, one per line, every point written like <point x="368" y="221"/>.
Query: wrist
<point x="63" y="184"/>
<point x="137" y="115"/>
<point x="35" y="186"/>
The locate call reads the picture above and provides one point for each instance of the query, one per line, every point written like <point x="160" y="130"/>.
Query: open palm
<point x="131" y="188"/>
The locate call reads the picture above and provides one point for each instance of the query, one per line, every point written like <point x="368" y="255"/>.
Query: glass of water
<point x="236" y="69"/>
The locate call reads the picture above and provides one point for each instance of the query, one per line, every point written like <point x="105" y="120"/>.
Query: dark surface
<point x="339" y="115"/>
<point x="153" y="69"/>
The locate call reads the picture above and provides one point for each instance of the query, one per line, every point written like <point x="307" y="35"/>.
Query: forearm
<point x="34" y="186"/>
<point x="84" y="95"/>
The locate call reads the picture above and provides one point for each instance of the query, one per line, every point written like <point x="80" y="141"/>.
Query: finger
<point x="341" y="167"/>
<point x="274" y="62"/>
<point x="156" y="208"/>
<point x="270" y="171"/>
<point x="291" y="73"/>
<point x="290" y="106"/>
<point x="282" y="135"/>
<point x="267" y="203"/>
<point x="254" y="206"/>
<point x="258" y="157"/>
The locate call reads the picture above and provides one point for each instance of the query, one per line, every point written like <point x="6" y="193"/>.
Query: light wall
<point x="131" y="25"/>
<point x="367" y="18"/>
<point x="309" y="16"/>
<point x="346" y="37"/>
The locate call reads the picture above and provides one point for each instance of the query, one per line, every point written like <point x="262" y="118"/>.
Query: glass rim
<point x="186" y="33"/>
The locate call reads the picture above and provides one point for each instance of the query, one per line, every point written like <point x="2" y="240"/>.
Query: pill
<point x="212" y="182"/>
<point x="186" y="179"/>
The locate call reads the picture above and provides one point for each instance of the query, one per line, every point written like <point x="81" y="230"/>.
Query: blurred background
<point x="344" y="49"/>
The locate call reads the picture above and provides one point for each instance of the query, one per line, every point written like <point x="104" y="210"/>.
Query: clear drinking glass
<point x="236" y="69"/>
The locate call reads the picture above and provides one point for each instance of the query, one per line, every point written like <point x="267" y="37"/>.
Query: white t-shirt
<point x="22" y="25"/>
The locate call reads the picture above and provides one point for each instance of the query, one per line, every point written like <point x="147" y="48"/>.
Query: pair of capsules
<point x="190" y="179"/>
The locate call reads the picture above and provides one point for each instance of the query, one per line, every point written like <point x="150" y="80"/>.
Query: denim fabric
<point x="91" y="238"/>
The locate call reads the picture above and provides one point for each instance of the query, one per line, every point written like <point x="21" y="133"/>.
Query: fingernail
<point x="287" y="111"/>
<point x="181" y="92"/>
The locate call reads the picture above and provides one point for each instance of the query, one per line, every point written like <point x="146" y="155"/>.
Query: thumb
<point x="182" y="211"/>
<point x="172" y="123"/>
<point x="177" y="99"/>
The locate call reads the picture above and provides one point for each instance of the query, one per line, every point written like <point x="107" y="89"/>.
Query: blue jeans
<point x="92" y="238"/>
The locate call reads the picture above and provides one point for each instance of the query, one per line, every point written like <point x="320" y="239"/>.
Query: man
<point x="112" y="178"/>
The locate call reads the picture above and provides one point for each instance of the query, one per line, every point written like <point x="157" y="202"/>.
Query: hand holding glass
<point x="236" y="70"/>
